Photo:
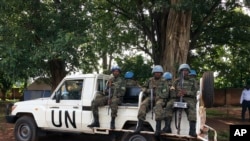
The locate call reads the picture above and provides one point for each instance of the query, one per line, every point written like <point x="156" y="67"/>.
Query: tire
<point x="26" y="129"/>
<point x="208" y="89"/>
<point x="137" y="137"/>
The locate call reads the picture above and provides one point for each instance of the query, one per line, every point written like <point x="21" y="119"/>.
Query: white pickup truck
<point x="68" y="109"/>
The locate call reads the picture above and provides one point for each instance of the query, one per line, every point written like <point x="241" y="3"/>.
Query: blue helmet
<point x="167" y="76"/>
<point x="183" y="66"/>
<point x="115" y="68"/>
<point x="129" y="75"/>
<point x="157" y="68"/>
<point x="192" y="72"/>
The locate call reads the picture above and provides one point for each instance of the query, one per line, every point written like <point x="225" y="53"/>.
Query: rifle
<point x="151" y="98"/>
<point x="109" y="97"/>
<point x="181" y="83"/>
<point x="180" y="105"/>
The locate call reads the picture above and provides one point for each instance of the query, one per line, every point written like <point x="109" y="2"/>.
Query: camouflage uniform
<point x="188" y="91"/>
<point x="170" y="85"/>
<point x="117" y="92"/>
<point x="160" y="90"/>
<point x="160" y="93"/>
<point x="130" y="82"/>
<point x="190" y="85"/>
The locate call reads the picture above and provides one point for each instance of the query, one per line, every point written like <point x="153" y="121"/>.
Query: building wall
<point x="228" y="96"/>
<point x="35" y="86"/>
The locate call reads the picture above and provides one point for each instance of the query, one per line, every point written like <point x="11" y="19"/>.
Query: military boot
<point x="139" y="126"/>
<point x="158" y="128"/>
<point x="95" y="123"/>
<point x="112" y="123"/>
<point x="192" y="130"/>
<point x="167" y="128"/>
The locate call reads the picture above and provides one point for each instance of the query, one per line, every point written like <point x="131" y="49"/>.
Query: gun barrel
<point x="151" y="98"/>
<point x="181" y="83"/>
<point x="109" y="98"/>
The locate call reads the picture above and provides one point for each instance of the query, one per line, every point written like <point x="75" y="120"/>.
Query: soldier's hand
<point x="110" y="83"/>
<point x="109" y="101"/>
<point x="181" y="92"/>
<point x="172" y="88"/>
<point x="184" y="92"/>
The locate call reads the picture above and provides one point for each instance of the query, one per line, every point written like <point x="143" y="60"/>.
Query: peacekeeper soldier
<point x="116" y="87"/>
<point x="187" y="90"/>
<point x="192" y="73"/>
<point x="129" y="75"/>
<point x="168" y="77"/>
<point x="160" y="89"/>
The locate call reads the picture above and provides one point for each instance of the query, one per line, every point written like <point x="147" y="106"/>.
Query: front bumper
<point x="9" y="118"/>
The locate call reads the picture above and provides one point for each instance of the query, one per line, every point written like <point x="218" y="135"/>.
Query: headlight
<point x="13" y="107"/>
<point x="9" y="108"/>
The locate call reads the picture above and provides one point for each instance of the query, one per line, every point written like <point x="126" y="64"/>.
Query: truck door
<point x="64" y="109"/>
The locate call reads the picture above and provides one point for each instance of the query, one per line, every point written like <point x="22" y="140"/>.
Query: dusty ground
<point x="228" y="116"/>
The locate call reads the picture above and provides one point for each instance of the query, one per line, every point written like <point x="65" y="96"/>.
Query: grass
<point x="223" y="136"/>
<point x="213" y="113"/>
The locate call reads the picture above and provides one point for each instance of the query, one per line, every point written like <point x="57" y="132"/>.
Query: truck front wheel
<point x="26" y="129"/>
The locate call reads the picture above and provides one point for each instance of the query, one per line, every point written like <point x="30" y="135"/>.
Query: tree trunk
<point x="58" y="72"/>
<point x="177" y="39"/>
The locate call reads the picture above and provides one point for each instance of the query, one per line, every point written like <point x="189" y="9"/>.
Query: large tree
<point x="53" y="37"/>
<point x="167" y="30"/>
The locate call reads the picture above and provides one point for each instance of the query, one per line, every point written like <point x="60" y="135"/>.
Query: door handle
<point x="75" y="107"/>
<point x="54" y="107"/>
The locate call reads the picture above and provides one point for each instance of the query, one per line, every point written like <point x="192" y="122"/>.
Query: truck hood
<point x="32" y="102"/>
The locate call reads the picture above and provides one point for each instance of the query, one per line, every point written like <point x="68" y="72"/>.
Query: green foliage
<point x="35" y="32"/>
<point x="81" y="33"/>
<point x="223" y="44"/>
<point x="136" y="64"/>
<point x="223" y="135"/>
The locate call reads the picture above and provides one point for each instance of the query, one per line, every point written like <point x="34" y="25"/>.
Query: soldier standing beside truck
<point x="187" y="90"/>
<point x="156" y="92"/>
<point x="113" y="97"/>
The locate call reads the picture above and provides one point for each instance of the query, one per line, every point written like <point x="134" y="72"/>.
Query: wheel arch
<point x="21" y="114"/>
<point x="130" y="124"/>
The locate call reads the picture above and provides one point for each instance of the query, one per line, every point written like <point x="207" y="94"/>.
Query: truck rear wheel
<point x="208" y="89"/>
<point x="137" y="137"/>
<point x="26" y="129"/>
